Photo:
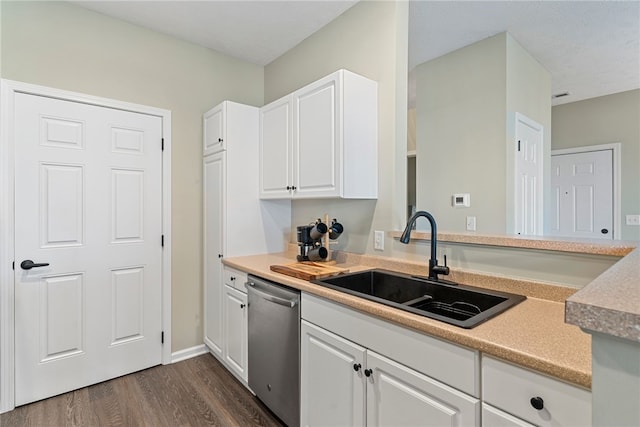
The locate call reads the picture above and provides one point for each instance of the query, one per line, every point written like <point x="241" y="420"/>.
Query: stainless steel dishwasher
<point x="274" y="347"/>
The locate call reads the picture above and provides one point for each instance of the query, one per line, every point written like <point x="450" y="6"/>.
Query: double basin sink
<point x="459" y="305"/>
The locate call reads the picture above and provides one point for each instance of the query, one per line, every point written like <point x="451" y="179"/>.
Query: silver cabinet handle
<point x="269" y="297"/>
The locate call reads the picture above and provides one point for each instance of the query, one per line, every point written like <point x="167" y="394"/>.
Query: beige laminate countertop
<point x="532" y="334"/>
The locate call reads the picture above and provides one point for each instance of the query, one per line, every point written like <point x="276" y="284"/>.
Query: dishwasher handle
<point x="269" y="297"/>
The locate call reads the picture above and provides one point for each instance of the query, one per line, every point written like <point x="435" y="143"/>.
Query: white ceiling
<point x="591" y="48"/>
<point x="257" y="31"/>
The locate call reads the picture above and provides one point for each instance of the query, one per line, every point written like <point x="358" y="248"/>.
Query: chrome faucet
<point x="434" y="268"/>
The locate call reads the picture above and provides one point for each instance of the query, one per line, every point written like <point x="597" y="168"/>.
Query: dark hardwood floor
<point x="194" y="392"/>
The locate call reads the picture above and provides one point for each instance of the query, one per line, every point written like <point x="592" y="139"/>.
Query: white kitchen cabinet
<point x="235" y="331"/>
<point x="535" y="398"/>
<point x="345" y="383"/>
<point x="331" y="379"/>
<point x="276" y="149"/>
<point x="235" y="221"/>
<point x="321" y="140"/>
<point x="213" y="131"/>
<point x="213" y="204"/>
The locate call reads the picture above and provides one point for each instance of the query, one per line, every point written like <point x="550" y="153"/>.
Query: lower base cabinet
<point x="344" y="383"/>
<point x="332" y="386"/>
<point x="235" y="339"/>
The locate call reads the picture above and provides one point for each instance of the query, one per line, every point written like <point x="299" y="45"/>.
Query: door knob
<point x="537" y="403"/>
<point x="27" y="264"/>
<point x="604" y="231"/>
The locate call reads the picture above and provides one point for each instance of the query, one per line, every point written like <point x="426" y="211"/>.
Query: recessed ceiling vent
<point x="560" y="95"/>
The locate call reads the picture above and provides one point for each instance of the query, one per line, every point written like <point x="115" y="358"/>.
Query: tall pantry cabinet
<point x="235" y="223"/>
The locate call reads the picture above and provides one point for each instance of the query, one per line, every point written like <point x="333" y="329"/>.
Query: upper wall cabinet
<point x="214" y="130"/>
<point x="321" y="141"/>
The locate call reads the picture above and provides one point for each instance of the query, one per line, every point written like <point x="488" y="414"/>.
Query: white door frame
<point x="8" y="89"/>
<point x="616" y="148"/>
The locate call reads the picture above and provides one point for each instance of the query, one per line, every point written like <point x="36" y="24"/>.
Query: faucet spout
<point x="434" y="268"/>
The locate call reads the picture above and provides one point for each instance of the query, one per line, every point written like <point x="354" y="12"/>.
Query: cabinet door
<point x="275" y="149"/>
<point x="492" y="417"/>
<point x="213" y="202"/>
<point x="332" y="380"/>
<point x="400" y="396"/>
<point x="235" y="330"/>
<point x="214" y="130"/>
<point x="316" y="127"/>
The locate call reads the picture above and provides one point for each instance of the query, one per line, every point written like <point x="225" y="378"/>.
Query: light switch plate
<point x="471" y="223"/>
<point x="378" y="240"/>
<point x="633" y="219"/>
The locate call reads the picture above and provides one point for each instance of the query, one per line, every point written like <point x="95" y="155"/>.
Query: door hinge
<point x="162" y="337"/>
<point x="13" y="265"/>
<point x="162" y="241"/>
<point x="162" y="144"/>
<point x="518" y="145"/>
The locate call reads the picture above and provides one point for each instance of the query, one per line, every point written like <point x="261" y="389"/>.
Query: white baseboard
<point x="188" y="353"/>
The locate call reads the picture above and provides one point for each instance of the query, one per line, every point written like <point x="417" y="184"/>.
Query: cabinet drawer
<point x="512" y="389"/>
<point x="492" y="417"/>
<point x="235" y="278"/>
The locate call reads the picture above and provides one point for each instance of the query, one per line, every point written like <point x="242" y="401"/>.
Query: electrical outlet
<point x="633" y="219"/>
<point x="378" y="240"/>
<point x="471" y="223"/>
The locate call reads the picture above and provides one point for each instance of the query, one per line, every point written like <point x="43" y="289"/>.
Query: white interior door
<point x="528" y="173"/>
<point x="582" y="194"/>
<point x="88" y="201"/>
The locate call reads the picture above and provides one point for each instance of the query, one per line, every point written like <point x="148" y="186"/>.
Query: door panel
<point x="582" y="194"/>
<point x="276" y="176"/>
<point x="332" y="391"/>
<point x="214" y="201"/>
<point x="88" y="201"/>
<point x="127" y="294"/>
<point x="214" y="138"/>
<point x="62" y="205"/>
<point x="127" y="196"/>
<point x="528" y="170"/>
<point x="316" y="138"/>
<point x="400" y="396"/>
<point x="235" y="334"/>
<point x="62" y="314"/>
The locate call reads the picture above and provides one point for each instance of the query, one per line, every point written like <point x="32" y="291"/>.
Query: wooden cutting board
<point x="308" y="270"/>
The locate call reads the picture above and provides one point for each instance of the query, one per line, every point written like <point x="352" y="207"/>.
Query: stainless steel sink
<point x="459" y="305"/>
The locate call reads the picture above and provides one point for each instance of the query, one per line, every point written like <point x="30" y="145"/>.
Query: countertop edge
<point x="618" y="248"/>
<point x="610" y="303"/>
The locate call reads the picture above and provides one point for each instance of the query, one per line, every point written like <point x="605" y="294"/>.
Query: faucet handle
<point x="441" y="269"/>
